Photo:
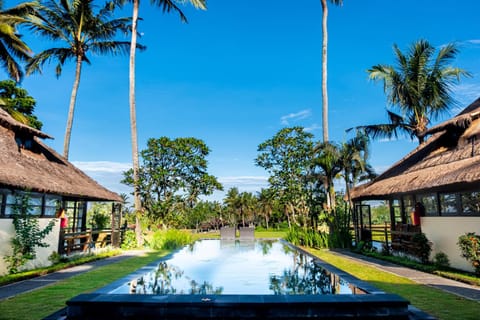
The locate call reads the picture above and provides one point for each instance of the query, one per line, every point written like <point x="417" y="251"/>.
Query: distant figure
<point x="63" y="218"/>
<point x="418" y="212"/>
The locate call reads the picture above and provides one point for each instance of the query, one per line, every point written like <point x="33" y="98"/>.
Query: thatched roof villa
<point x="27" y="164"/>
<point x="443" y="174"/>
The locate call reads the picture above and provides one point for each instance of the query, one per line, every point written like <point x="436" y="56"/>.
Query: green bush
<point x="422" y="247"/>
<point x="440" y="260"/>
<point x="170" y="239"/>
<point x="129" y="240"/>
<point x="307" y="238"/>
<point x="469" y="244"/>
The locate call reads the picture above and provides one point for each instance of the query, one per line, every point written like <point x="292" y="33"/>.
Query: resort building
<point x="52" y="184"/>
<point x="443" y="174"/>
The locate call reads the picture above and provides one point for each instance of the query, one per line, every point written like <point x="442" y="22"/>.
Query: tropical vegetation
<point x="166" y="6"/>
<point x="77" y="29"/>
<point x="419" y="86"/>
<point x="16" y="101"/>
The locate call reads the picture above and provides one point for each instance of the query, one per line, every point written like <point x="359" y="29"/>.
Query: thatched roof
<point x="448" y="161"/>
<point x="39" y="168"/>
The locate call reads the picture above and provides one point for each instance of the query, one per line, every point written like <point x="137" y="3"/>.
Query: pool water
<point x="237" y="267"/>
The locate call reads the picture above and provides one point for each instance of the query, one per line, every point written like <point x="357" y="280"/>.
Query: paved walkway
<point x="13" y="289"/>
<point x="455" y="287"/>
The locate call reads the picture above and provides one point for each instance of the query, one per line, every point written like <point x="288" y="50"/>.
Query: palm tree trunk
<point x="133" y="126"/>
<point x="71" y="109"/>
<point x="324" y="70"/>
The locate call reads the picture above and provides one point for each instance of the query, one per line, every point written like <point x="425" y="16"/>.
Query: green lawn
<point x="433" y="301"/>
<point x="43" y="302"/>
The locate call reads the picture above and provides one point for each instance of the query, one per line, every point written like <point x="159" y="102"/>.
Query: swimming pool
<point x="219" y="279"/>
<point x="234" y="267"/>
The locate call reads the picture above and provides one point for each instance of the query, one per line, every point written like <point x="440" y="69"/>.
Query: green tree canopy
<point x="172" y="169"/>
<point x="287" y="158"/>
<point x="16" y="101"/>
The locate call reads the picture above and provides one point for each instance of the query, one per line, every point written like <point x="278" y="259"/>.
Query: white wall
<point x="6" y="232"/>
<point x="443" y="232"/>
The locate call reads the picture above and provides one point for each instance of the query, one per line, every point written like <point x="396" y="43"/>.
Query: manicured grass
<point x="433" y="301"/>
<point x="270" y="234"/>
<point x="43" y="302"/>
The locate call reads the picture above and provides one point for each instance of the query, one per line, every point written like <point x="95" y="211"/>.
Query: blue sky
<point x="241" y="71"/>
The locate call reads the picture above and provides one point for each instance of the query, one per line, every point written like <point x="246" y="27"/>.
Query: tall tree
<point x="170" y="170"/>
<point x="79" y="30"/>
<point x="166" y="6"/>
<point x="286" y="157"/>
<point x="419" y="86"/>
<point x="12" y="48"/>
<point x="324" y="64"/>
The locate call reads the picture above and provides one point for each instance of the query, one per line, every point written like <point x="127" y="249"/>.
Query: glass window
<point x="1" y="202"/>
<point x="408" y="206"/>
<point x="448" y="203"/>
<point x="52" y="203"/>
<point x="34" y="203"/>
<point x="397" y="211"/>
<point x="471" y="202"/>
<point x="429" y="201"/>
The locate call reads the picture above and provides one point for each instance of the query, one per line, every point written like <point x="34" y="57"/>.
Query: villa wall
<point x="443" y="232"/>
<point x="6" y="232"/>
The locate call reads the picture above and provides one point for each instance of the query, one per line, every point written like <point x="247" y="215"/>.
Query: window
<point x="429" y="201"/>
<point x="52" y="203"/>
<point x="448" y="203"/>
<point x="471" y="202"/>
<point x="397" y="211"/>
<point x="34" y="203"/>
<point x="408" y="206"/>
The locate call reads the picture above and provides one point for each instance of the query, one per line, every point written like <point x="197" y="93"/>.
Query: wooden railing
<point x="84" y="241"/>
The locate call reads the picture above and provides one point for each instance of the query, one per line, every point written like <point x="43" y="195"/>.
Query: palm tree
<point x="354" y="162"/>
<point x="327" y="159"/>
<point x="420" y="86"/>
<point x="166" y="6"/>
<point x="324" y="65"/>
<point x="74" y="23"/>
<point x="12" y="48"/>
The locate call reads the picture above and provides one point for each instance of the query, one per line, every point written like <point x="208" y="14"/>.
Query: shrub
<point x="308" y="238"/>
<point x="422" y="247"/>
<point x="129" y="240"/>
<point x="441" y="261"/>
<point x="170" y="239"/>
<point x="469" y="244"/>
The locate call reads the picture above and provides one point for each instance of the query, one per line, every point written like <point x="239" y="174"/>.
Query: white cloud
<point x="107" y="173"/>
<point x="466" y="94"/>
<point x="102" y="166"/>
<point x="295" y="116"/>
<point x="313" y="127"/>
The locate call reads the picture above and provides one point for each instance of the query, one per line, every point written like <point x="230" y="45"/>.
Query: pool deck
<point x="454" y="287"/>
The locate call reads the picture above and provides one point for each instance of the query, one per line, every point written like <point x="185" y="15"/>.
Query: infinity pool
<point x="242" y="279"/>
<point x="237" y="267"/>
